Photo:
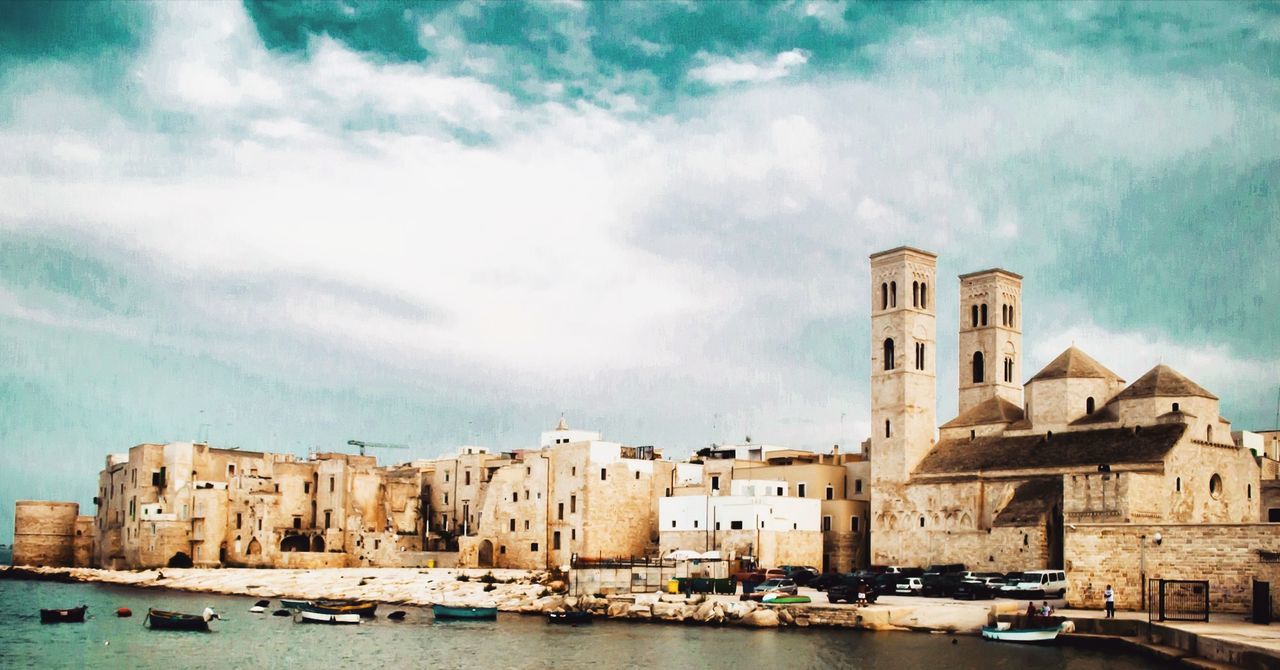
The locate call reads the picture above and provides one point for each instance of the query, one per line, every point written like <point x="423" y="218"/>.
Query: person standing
<point x="1110" y="596"/>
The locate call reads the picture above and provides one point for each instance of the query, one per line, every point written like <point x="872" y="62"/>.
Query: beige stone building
<point x="998" y="486"/>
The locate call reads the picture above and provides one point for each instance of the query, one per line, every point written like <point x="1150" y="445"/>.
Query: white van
<point x="1043" y="582"/>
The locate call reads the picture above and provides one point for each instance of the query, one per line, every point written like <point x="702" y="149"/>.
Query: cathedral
<point x="995" y="486"/>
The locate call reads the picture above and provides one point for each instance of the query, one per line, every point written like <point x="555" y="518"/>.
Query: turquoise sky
<point x="285" y="225"/>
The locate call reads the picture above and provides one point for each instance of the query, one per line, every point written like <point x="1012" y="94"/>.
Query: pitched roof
<point x="1161" y="381"/>
<point x="1076" y="364"/>
<point x="1105" y="415"/>
<point x="1030" y="502"/>
<point x="1062" y="450"/>
<point x="991" y="410"/>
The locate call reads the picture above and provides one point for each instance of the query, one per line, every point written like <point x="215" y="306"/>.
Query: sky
<point x="279" y="226"/>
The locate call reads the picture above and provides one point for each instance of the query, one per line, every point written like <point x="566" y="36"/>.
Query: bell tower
<point x="903" y="374"/>
<point x="990" y="342"/>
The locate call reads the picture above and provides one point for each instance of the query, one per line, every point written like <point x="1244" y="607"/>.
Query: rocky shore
<point x="524" y="592"/>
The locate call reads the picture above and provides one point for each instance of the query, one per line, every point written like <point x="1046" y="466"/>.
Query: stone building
<point x="51" y="533"/>
<point x="756" y="520"/>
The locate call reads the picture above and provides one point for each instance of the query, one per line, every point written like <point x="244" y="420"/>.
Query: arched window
<point x="1208" y="433"/>
<point x="984" y="313"/>
<point x="977" y="367"/>
<point x="1088" y="405"/>
<point x="888" y="428"/>
<point x="1004" y="315"/>
<point x="893" y="294"/>
<point x="884" y="296"/>
<point x="1175" y="407"/>
<point x="915" y="294"/>
<point x="1008" y="369"/>
<point x="924" y="295"/>
<point x="974" y="309"/>
<point x="1010" y="316"/>
<point x="888" y="354"/>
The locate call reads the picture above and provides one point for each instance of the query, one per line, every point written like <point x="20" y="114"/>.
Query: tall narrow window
<point x="893" y="294"/>
<point x="1010" y="316"/>
<point x="984" y="313"/>
<point x="888" y="354"/>
<point x="915" y="294"/>
<point x="1008" y="369"/>
<point x="974" y="312"/>
<point x="888" y="428"/>
<point x="573" y="504"/>
<point x="924" y="295"/>
<point x="977" y="367"/>
<point x="560" y="511"/>
<point x="919" y="355"/>
<point x="715" y="482"/>
<point x="1088" y="405"/>
<point x="884" y="296"/>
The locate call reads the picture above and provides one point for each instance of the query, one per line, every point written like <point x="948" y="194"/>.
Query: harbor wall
<point x="1229" y="556"/>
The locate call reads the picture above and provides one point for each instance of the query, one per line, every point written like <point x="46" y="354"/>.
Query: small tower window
<point x="984" y="313"/>
<point x="1010" y="316"/>
<point x="977" y="367"/>
<point x="888" y="428"/>
<point x="924" y="295"/>
<point x="1008" y="369"/>
<point x="1177" y="484"/>
<point x="884" y="296"/>
<point x="893" y="294"/>
<point x="1175" y="407"/>
<point x="974" y="311"/>
<point x="922" y="522"/>
<point x="1215" y="486"/>
<point x="1208" y="433"/>
<point x="919" y="355"/>
<point x="888" y="354"/>
<point x="915" y="294"/>
<point x="1088" y="405"/>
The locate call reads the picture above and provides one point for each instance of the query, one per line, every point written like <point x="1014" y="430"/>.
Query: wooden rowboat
<point x="73" y="615"/>
<point x="1002" y="632"/>
<point x="474" y="613"/>
<point x="293" y="604"/>
<point x="162" y="620"/>
<point x="306" y="616"/>
<point x="364" y="609"/>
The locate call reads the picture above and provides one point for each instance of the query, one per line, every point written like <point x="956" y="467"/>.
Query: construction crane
<point x="374" y="445"/>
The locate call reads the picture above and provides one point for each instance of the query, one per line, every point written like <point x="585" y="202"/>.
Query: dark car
<point x="983" y="588"/>
<point x="940" y="586"/>
<point x="945" y="568"/>
<point x="827" y="580"/>
<point x="885" y="584"/>
<point x="847" y="591"/>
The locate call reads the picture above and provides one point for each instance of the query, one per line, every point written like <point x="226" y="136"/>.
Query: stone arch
<point x="484" y="557"/>
<point x="180" y="560"/>
<point x="965" y="520"/>
<point x="255" y="547"/>
<point x="295" y="543"/>
<point x="317" y="543"/>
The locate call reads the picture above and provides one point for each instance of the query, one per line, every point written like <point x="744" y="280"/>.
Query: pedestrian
<point x="1110" y="597"/>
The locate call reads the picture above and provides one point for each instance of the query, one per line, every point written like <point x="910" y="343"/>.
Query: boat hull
<point x="786" y="600"/>
<point x="319" y="617"/>
<point x="72" y="615"/>
<point x="161" y="620"/>
<point x="1023" y="635"/>
<point x="574" y="617"/>
<point x="366" y="610"/>
<point x="291" y="604"/>
<point x="473" y="613"/>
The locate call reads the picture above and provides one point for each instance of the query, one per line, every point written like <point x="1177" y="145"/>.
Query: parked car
<point x="802" y="574"/>
<point x="939" y="586"/>
<point x="944" y="568"/>
<point x="983" y="588"/>
<point x="885" y="584"/>
<point x="778" y="585"/>
<point x="1037" y="584"/>
<point x="909" y="586"/>
<point x="847" y="591"/>
<point x="827" y="580"/>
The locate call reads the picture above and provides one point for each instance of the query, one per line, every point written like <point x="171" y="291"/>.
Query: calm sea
<point x="248" y="640"/>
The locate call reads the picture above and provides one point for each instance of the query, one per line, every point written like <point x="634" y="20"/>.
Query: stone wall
<point x="1229" y="556"/>
<point x="82" y="543"/>
<point x="44" y="533"/>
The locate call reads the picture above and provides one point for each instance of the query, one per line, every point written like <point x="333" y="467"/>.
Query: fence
<point x="1177" y="600"/>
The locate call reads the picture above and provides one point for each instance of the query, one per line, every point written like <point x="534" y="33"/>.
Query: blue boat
<point x="473" y="613"/>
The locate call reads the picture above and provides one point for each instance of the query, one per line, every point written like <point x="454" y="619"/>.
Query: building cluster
<point x="1034" y="474"/>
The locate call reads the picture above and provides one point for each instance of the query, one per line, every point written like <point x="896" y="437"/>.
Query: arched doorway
<point x="255" y="547"/>
<point x="485" y="556"/>
<point x="295" y="543"/>
<point x="317" y="543"/>
<point x="222" y="553"/>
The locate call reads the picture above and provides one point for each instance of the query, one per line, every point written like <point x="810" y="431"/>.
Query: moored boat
<point x="293" y="603"/>
<point x="569" y="617"/>
<point x="72" y="615"/>
<point x="364" y="609"/>
<point x="162" y="620"/>
<point x="476" y="613"/>
<point x="307" y="616"/>
<point x="260" y="606"/>
<point x="785" y="599"/>
<point x="1004" y="632"/>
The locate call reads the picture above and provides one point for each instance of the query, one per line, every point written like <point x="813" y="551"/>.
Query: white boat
<point x="321" y="617"/>
<point x="260" y="606"/>
<point x="1004" y="632"/>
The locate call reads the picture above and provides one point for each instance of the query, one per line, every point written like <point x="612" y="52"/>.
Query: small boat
<point x="785" y="599"/>
<point x="124" y="612"/>
<point x="1004" y="632"/>
<point x="570" y="617"/>
<point x="307" y="616"/>
<point x="397" y="615"/>
<point x="73" y="615"/>
<point x="260" y="606"/>
<point x="162" y="620"/>
<point x="475" y="613"/>
<point x="283" y="612"/>
<point x="294" y="604"/>
<point x="364" y="609"/>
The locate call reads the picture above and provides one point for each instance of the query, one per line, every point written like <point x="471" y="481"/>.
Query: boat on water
<point x="72" y="615"/>
<point x="365" y="609"/>
<point x="785" y="599"/>
<point x="569" y="617"/>
<point x="474" y="613"/>
<point x="162" y="620"/>
<point x="293" y="603"/>
<point x="260" y="606"/>
<point x="306" y="616"/>
<point x="1003" y="631"/>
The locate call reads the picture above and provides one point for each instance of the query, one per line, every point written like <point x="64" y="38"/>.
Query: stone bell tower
<point x="990" y="342"/>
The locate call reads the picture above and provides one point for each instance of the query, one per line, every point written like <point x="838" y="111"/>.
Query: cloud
<point x="722" y="71"/>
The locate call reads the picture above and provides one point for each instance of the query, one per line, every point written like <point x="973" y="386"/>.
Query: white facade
<point x="735" y="512"/>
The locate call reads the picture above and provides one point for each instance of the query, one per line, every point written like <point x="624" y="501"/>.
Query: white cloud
<point x="721" y="71"/>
